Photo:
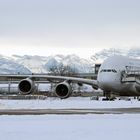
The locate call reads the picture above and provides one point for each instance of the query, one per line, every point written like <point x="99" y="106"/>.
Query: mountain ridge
<point x="28" y="64"/>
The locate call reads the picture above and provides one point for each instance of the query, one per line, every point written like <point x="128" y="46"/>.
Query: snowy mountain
<point x="33" y="63"/>
<point x="134" y="52"/>
<point x="8" y="66"/>
<point x="105" y="53"/>
<point x="40" y="64"/>
<point x="76" y="63"/>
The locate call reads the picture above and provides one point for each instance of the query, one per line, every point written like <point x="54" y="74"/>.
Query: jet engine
<point x="63" y="90"/>
<point x="137" y="85"/>
<point x="26" y="86"/>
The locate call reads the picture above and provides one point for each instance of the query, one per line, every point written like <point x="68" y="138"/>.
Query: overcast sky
<point x="48" y="27"/>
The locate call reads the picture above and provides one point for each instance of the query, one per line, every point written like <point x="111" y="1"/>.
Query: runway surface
<point x="70" y="111"/>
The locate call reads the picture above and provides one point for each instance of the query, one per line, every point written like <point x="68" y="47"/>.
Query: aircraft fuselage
<point x="111" y="73"/>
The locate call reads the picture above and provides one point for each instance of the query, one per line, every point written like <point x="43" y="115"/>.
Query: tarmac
<point x="69" y="111"/>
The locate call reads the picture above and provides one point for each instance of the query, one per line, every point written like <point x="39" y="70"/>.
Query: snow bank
<point x="72" y="102"/>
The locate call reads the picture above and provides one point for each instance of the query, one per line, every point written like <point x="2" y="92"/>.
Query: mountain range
<point x="39" y="64"/>
<point x="105" y="53"/>
<point x="27" y="64"/>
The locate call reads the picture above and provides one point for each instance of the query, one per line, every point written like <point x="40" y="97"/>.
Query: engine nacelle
<point x="63" y="90"/>
<point x="26" y="86"/>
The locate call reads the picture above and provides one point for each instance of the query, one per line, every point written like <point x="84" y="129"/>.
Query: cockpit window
<point x="114" y="71"/>
<point x="108" y="70"/>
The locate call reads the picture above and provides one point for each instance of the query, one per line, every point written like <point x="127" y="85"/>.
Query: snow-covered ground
<point x="76" y="127"/>
<point x="68" y="127"/>
<point x="72" y="102"/>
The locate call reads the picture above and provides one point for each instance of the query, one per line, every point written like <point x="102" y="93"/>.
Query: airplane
<point x="117" y="75"/>
<point x="120" y="75"/>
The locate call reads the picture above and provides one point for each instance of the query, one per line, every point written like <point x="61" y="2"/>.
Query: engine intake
<point x="63" y="90"/>
<point x="26" y="86"/>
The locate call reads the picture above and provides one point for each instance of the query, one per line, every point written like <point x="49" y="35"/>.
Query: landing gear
<point x="108" y="96"/>
<point x="138" y="98"/>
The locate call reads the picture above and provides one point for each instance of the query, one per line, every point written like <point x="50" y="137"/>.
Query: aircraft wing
<point x="63" y="89"/>
<point x="52" y="79"/>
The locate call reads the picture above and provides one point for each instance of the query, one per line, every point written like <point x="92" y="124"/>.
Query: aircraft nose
<point x="105" y="82"/>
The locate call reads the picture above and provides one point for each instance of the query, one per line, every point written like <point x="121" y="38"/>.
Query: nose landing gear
<point x="108" y="96"/>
